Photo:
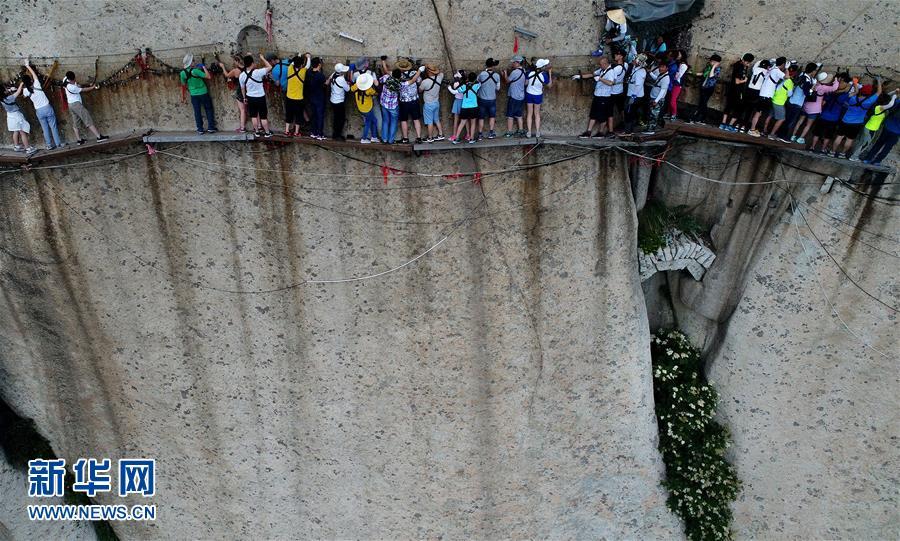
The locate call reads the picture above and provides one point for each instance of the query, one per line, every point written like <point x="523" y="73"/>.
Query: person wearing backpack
<point x="79" y="112"/>
<point x="195" y="78"/>
<point x="314" y="94"/>
<point x="469" y="108"/>
<point x="779" y="105"/>
<point x="339" y="87"/>
<point x="254" y="92"/>
<point x="710" y="76"/>
<point x="364" y="93"/>
<point x="772" y="81"/>
<point x="808" y="94"/>
<point x="803" y="85"/>
<point x="676" y="68"/>
<point x="751" y="99"/>
<point x="34" y="89"/>
<point x="885" y="103"/>
<point x="601" y="104"/>
<point x="888" y="138"/>
<point x="537" y="79"/>
<point x="733" y="118"/>
<point x="430" y="88"/>
<point x="15" y="120"/>
<point x="293" y="94"/>
<point x="487" y="97"/>
<point x="857" y="104"/>
<point x="515" y="92"/>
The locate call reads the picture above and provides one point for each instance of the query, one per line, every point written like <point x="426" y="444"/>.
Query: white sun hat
<point x="541" y="63"/>
<point x="365" y="81"/>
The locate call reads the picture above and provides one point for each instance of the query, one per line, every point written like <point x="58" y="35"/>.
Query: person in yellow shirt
<point x="294" y="113"/>
<point x="867" y="135"/>
<point x="779" y="99"/>
<point x="364" y="92"/>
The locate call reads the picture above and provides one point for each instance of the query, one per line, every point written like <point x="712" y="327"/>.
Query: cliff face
<point x="499" y="385"/>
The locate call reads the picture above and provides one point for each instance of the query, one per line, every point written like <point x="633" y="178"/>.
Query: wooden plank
<point x="194" y="137"/>
<point x="336" y="144"/>
<point x="498" y="142"/>
<point x="71" y="149"/>
<point x="624" y="141"/>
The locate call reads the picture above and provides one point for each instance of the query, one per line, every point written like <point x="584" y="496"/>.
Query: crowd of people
<point x="632" y="92"/>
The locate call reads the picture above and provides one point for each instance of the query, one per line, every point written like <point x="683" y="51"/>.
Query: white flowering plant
<point x="701" y="483"/>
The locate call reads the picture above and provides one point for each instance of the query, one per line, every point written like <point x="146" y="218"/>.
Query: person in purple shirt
<point x="858" y="102"/>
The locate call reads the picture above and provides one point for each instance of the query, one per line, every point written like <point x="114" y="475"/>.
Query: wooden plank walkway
<point x="194" y="137"/>
<point x="9" y="156"/>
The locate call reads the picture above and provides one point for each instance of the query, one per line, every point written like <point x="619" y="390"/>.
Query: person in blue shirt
<point x="858" y="102"/>
<point x="890" y="133"/>
<point x="279" y="71"/>
<point x="832" y="108"/>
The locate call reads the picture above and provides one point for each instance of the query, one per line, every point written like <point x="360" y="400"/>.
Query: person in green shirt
<point x="885" y="102"/>
<point x="194" y="77"/>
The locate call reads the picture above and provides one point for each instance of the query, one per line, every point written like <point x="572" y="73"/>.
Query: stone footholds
<point x="680" y="252"/>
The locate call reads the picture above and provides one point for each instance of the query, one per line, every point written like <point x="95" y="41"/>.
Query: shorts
<point x="81" y="114"/>
<point x="825" y="128"/>
<point x="601" y="108"/>
<point x="457" y="106"/>
<point x="618" y="100"/>
<point x="764" y="105"/>
<point x="811" y="116"/>
<point x="468" y="113"/>
<point x="15" y="121"/>
<point x="256" y="106"/>
<point x="850" y="131"/>
<point x="514" y="108"/>
<point x="293" y="111"/>
<point x="487" y="108"/>
<point x="432" y="113"/>
<point x="778" y="112"/>
<point x="409" y="110"/>
<point x="535" y="99"/>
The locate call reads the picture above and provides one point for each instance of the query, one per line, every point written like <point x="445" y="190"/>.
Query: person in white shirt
<point x="538" y="78"/>
<point x="635" y="104"/>
<point x="766" y="91"/>
<point x="339" y="88"/>
<point x="254" y="92"/>
<point x="660" y="85"/>
<point x="601" y="104"/>
<point x="77" y="108"/>
<point x="33" y="89"/>
<point x="618" y="87"/>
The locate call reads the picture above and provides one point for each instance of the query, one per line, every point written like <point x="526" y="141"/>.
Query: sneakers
<point x="51" y="147"/>
<point x="793" y="138"/>
<point x="212" y="130"/>
<point x="440" y="137"/>
<point x="429" y="140"/>
<point x="598" y="135"/>
<point x="853" y="159"/>
<point x="754" y="133"/>
<point x="528" y="135"/>
<point x="782" y="139"/>
<point x="800" y="141"/>
<point x="723" y="126"/>
<point x="454" y="140"/>
<point x="537" y="134"/>
<point x="19" y="148"/>
<point x="477" y="136"/>
<point x="404" y="141"/>
<point x="418" y="140"/>
<point x="472" y="140"/>
<point x="102" y="138"/>
<point x="364" y="141"/>
<point x="508" y="134"/>
<point x="199" y="132"/>
<point x="81" y="142"/>
<point x="30" y="150"/>
<point x="584" y="135"/>
<point x="267" y="134"/>
<point x="492" y="134"/>
<point x="521" y="133"/>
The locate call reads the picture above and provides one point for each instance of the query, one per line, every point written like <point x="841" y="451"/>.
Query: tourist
<point x="617" y="96"/>
<point x="812" y="107"/>
<point x="885" y="103"/>
<point x="601" y="104"/>
<point x="658" y="47"/>
<point x="804" y="90"/>
<point x="757" y="76"/>
<point x="733" y="119"/>
<point x="676" y="69"/>
<point x="294" y="110"/>
<point x="279" y="74"/>
<point x="314" y="95"/>
<point x="766" y="90"/>
<point x="409" y="100"/>
<point x="857" y="103"/>
<point x="456" y="108"/>
<point x="832" y="108"/>
<point x="231" y="79"/>
<point x="779" y="101"/>
<point x="710" y="78"/>
<point x="659" y="81"/>
<point x="636" y="104"/>
<point x="515" y="100"/>
<point x="34" y="89"/>
<point x="616" y="27"/>
<point x="886" y="141"/>
<point x="15" y="120"/>
<point x="365" y="101"/>
<point x="390" y="101"/>
<point x="538" y="78"/>
<point x="489" y="82"/>
<point x="468" y="109"/>
<point x="430" y="87"/>
<point x="339" y="88"/>
<point x="254" y="92"/>
<point x="194" y="77"/>
<point x="78" y="110"/>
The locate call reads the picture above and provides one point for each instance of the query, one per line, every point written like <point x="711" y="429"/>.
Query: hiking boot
<point x="102" y="138"/>
<point x="585" y="134"/>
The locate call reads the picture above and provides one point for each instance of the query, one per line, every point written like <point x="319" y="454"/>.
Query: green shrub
<point x="656" y="221"/>
<point x="701" y="483"/>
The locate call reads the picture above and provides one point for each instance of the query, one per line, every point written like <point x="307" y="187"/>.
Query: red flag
<point x="516" y="45"/>
<point x="476" y="179"/>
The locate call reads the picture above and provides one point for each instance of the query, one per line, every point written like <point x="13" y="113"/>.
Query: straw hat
<point x="541" y="63"/>
<point x="188" y="60"/>
<point x="365" y="81"/>
<point x="616" y="15"/>
<point x="432" y="68"/>
<point x="404" y="64"/>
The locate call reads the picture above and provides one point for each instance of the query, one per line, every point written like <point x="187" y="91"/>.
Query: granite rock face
<point x="498" y="386"/>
